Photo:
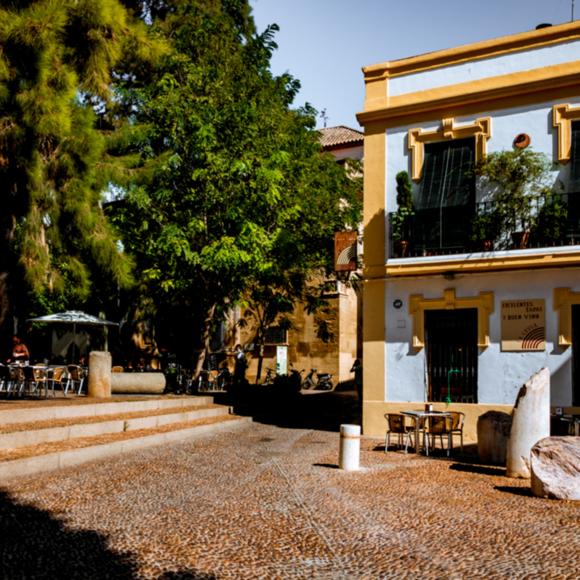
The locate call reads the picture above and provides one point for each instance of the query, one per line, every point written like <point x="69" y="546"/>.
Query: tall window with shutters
<point x="445" y="200"/>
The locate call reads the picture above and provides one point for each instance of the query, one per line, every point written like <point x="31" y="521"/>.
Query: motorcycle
<point x="318" y="381"/>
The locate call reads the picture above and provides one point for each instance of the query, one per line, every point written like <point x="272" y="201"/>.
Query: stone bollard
<point x="530" y="423"/>
<point x="99" y="374"/>
<point x="349" y="454"/>
<point x="493" y="432"/>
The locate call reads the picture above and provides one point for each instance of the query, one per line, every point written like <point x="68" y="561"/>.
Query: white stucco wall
<point x="500" y="374"/>
<point x="485" y="68"/>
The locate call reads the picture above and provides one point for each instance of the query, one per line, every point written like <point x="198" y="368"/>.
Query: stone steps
<point x="53" y="437"/>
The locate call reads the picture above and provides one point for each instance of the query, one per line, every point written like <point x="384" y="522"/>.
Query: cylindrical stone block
<point x="349" y="453"/>
<point x="138" y="383"/>
<point x="530" y="423"/>
<point x="99" y="374"/>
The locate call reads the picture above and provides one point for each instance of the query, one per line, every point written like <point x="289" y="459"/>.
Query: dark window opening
<point x="451" y="341"/>
<point x="445" y="202"/>
<point x="275" y="335"/>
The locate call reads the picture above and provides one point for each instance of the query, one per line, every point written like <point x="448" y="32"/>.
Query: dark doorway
<point x="576" y="355"/>
<point x="451" y="339"/>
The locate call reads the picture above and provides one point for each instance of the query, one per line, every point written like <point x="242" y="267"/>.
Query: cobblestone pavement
<point x="269" y="502"/>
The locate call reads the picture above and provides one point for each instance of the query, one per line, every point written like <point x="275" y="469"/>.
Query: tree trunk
<point x="206" y="338"/>
<point x="260" y="361"/>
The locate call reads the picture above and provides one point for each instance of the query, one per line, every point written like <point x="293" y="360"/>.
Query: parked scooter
<point x="318" y="381"/>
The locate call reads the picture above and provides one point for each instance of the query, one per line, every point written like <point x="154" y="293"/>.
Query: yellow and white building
<point x="448" y="322"/>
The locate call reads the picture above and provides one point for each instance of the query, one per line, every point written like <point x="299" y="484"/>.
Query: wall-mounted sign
<point x="281" y="360"/>
<point x="398" y="303"/>
<point x="523" y="325"/>
<point x="345" y="251"/>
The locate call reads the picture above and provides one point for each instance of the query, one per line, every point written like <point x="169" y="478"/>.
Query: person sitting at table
<point x="20" y="351"/>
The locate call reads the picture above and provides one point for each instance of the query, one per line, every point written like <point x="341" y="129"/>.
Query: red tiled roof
<point x="341" y="135"/>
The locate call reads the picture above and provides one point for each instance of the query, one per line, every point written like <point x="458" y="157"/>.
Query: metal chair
<point x="397" y="425"/>
<point x="75" y="379"/>
<point x="458" y="419"/>
<point x="5" y="379"/>
<point x="57" y="376"/>
<point x="439" y="427"/>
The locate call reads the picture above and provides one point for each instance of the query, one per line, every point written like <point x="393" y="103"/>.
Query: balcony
<point x="554" y="221"/>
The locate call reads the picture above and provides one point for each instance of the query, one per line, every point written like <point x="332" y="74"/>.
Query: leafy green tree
<point x="56" y="63"/>
<point x="233" y="189"/>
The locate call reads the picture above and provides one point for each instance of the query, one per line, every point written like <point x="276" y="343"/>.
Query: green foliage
<point x="400" y="220"/>
<point x="56" y="63"/>
<point x="231" y="191"/>
<point x="552" y="221"/>
<point x="514" y="181"/>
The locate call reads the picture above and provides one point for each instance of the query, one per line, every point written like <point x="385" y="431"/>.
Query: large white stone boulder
<point x="555" y="466"/>
<point x="530" y="423"/>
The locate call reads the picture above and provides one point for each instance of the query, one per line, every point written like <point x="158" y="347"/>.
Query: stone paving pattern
<point x="269" y="502"/>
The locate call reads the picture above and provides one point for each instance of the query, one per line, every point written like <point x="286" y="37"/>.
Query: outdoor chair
<point x="397" y="425"/>
<point x="5" y="379"/>
<point x="75" y="379"/>
<point x="35" y="380"/>
<point x="458" y="419"/>
<point x="440" y="427"/>
<point x="17" y="381"/>
<point x="57" y="378"/>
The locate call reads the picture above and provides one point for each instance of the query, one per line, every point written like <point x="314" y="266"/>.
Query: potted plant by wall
<point x="514" y="182"/>
<point x="401" y="219"/>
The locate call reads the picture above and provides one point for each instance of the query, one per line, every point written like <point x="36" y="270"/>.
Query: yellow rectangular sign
<point x="523" y="325"/>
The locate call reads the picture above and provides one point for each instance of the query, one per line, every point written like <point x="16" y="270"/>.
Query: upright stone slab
<point x="555" y="465"/>
<point x="100" y="363"/>
<point x="493" y="432"/>
<point x="530" y="423"/>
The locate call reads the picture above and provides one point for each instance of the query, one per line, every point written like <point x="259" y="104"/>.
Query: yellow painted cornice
<point x="492" y="93"/>
<point x="475" y="51"/>
<point x="541" y="259"/>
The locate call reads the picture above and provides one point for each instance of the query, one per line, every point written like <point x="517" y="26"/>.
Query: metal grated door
<point x="451" y="341"/>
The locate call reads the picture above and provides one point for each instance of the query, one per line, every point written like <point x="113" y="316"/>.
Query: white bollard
<point x="349" y="454"/>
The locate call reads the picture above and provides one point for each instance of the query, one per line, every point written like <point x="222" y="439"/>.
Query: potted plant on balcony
<point x="513" y="182"/>
<point x="401" y="219"/>
<point x="484" y="230"/>
<point x="551" y="223"/>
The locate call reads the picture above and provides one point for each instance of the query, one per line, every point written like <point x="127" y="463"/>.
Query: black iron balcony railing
<point x="544" y="221"/>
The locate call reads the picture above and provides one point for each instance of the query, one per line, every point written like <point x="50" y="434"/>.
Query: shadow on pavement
<point x="324" y="411"/>
<point x="480" y="469"/>
<point x="35" y="544"/>
<point x="525" y="491"/>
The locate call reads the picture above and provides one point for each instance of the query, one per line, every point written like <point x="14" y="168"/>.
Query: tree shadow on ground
<point x="324" y="411"/>
<point x="35" y="544"/>
<point x="480" y="469"/>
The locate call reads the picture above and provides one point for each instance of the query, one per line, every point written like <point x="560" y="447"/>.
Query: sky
<point x="325" y="43"/>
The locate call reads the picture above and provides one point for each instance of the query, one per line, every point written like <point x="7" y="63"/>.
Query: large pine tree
<point x="56" y="63"/>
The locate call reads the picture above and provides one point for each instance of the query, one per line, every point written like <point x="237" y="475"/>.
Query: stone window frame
<point x="418" y="304"/>
<point x="480" y="129"/>
<point x="564" y="299"/>
<point x="562" y="117"/>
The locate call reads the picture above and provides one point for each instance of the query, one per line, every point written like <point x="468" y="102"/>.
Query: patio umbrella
<point x="74" y="317"/>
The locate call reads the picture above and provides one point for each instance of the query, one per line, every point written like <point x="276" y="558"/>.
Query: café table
<point x="421" y="417"/>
